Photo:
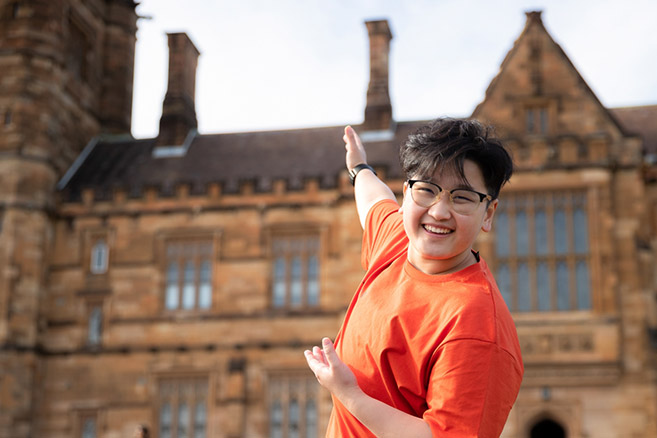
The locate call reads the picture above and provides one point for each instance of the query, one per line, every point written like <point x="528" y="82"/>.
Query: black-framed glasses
<point x="462" y="201"/>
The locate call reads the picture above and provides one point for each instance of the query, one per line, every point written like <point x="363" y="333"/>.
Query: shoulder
<point x="382" y="211"/>
<point x="383" y="236"/>
<point x="474" y="304"/>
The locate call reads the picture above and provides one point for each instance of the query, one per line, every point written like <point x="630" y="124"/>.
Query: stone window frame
<point x="538" y="115"/>
<point x="93" y="305"/>
<point x="99" y="257"/>
<point x="90" y="238"/>
<point x="310" y="241"/>
<point x="532" y="258"/>
<point x="536" y="120"/>
<point x="192" y="237"/>
<point x="177" y="388"/>
<point x="81" y="418"/>
<point x="285" y="387"/>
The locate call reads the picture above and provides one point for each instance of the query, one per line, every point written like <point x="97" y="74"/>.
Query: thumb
<point x="329" y="352"/>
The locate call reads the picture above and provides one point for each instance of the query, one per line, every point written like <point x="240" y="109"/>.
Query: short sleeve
<point x="383" y="232"/>
<point x="472" y="387"/>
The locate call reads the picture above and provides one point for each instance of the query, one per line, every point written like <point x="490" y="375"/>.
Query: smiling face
<point x="440" y="240"/>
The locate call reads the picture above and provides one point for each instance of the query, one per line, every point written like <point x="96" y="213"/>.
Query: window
<point x="78" y="51"/>
<point x="99" y="257"/>
<point x="182" y="408"/>
<point x="542" y="251"/>
<point x="88" y="427"/>
<point x="536" y="120"/>
<point x="188" y="275"/>
<point x="95" y="325"/>
<point x="293" y="407"/>
<point x="295" y="271"/>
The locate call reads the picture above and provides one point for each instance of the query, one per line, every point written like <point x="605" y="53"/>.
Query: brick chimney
<point x="378" y="111"/>
<point x="178" y="109"/>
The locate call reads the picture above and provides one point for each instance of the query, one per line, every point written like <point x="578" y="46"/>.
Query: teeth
<point x="437" y="230"/>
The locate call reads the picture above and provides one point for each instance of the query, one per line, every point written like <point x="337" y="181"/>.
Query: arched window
<point x="547" y="429"/>
<point x="99" y="256"/>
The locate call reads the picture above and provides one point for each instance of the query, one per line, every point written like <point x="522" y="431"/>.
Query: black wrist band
<point x="353" y="172"/>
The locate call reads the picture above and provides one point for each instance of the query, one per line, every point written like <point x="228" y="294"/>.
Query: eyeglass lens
<point x="426" y="194"/>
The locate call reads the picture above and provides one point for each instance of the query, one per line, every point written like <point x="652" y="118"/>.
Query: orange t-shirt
<point x="440" y="347"/>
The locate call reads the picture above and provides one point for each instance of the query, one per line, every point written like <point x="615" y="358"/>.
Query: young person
<point x="428" y="347"/>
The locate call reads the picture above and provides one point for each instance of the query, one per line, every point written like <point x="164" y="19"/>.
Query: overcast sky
<point x="282" y="64"/>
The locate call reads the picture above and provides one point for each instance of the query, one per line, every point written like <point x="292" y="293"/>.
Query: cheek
<point x="409" y="217"/>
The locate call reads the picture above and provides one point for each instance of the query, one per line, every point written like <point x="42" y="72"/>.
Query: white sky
<point x="282" y="64"/>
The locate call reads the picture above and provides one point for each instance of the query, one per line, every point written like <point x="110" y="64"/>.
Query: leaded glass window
<point x="542" y="254"/>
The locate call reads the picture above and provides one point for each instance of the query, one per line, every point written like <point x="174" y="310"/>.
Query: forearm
<point x="368" y="190"/>
<point x="383" y="420"/>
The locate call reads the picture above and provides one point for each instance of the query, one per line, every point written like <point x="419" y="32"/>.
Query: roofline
<point x="532" y="20"/>
<point x="88" y="149"/>
<point x="77" y="163"/>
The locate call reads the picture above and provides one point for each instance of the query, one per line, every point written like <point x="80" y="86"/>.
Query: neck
<point x="440" y="267"/>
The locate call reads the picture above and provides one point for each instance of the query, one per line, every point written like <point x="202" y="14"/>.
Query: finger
<point x="313" y="354"/>
<point x="313" y="363"/>
<point x="353" y="137"/>
<point x="350" y="135"/>
<point x="329" y="352"/>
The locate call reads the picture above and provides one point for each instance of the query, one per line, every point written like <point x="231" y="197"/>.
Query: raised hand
<point x="331" y="372"/>
<point x="354" y="147"/>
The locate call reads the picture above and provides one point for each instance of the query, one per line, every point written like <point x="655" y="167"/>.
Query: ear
<point x="487" y="222"/>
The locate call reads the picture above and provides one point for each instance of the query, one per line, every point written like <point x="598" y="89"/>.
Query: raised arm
<point x="368" y="188"/>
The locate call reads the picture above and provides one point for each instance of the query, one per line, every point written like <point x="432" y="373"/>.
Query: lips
<point x="436" y="229"/>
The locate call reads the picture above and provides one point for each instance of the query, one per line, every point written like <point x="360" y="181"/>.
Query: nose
<point x="442" y="208"/>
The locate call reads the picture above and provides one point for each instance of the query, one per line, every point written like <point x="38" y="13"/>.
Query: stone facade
<point x="60" y="87"/>
<point x="174" y="282"/>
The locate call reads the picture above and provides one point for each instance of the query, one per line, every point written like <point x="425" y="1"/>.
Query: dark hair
<point x="445" y="143"/>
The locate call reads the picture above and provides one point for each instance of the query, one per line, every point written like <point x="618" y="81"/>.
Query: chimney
<point x="178" y="109"/>
<point x="378" y="111"/>
<point x="118" y="60"/>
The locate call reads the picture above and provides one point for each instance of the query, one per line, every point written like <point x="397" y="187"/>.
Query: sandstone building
<point x="174" y="282"/>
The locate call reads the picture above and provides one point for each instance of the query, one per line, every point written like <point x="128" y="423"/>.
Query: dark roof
<point x="642" y="121"/>
<point x="227" y="159"/>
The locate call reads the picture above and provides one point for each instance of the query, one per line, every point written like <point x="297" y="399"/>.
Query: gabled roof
<point x="228" y="159"/>
<point x="535" y="22"/>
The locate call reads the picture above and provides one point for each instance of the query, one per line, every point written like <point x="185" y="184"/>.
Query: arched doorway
<point x="547" y="429"/>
